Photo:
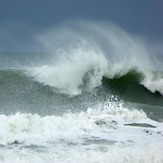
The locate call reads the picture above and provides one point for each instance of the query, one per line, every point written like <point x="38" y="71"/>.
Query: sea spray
<point x="80" y="55"/>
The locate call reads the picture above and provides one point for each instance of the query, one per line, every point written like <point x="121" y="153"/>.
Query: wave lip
<point x="153" y="81"/>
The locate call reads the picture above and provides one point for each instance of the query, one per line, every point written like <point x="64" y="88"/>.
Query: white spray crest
<point x="80" y="54"/>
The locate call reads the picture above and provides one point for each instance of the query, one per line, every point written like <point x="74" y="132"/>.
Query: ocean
<point x="94" y="94"/>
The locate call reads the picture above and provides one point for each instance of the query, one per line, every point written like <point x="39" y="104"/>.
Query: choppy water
<point x="95" y="96"/>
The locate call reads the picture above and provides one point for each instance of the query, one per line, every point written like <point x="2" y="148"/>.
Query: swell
<point x="22" y="93"/>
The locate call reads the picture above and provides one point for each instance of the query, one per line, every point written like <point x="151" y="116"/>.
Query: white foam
<point x="83" y="70"/>
<point x="153" y="81"/>
<point x="99" y="134"/>
<point x="148" y="154"/>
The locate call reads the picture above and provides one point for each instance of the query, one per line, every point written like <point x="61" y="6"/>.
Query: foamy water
<point x="98" y="135"/>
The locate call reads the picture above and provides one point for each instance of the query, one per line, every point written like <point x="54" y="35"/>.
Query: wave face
<point x="131" y="87"/>
<point x="95" y="92"/>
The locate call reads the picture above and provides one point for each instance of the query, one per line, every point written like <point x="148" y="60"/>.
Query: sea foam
<point x="100" y="132"/>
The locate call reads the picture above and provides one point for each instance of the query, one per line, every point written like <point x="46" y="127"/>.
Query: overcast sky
<point x="141" y="17"/>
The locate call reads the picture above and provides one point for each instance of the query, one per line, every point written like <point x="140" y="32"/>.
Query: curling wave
<point x="79" y="56"/>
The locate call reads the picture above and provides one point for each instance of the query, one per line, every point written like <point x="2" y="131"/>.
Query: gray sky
<point x="20" y="19"/>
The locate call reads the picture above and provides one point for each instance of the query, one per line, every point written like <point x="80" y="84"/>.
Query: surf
<point x="94" y="90"/>
<point x="80" y="55"/>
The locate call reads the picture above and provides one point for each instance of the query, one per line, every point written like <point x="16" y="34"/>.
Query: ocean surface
<point x="94" y="94"/>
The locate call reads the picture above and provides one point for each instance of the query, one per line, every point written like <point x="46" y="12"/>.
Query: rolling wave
<point x="17" y="85"/>
<point x="79" y="55"/>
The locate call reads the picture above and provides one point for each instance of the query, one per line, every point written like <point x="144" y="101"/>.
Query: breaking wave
<point x="80" y="56"/>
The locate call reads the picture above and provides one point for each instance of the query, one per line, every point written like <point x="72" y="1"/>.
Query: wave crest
<point x="81" y="54"/>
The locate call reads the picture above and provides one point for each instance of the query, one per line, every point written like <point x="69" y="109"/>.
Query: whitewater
<point x="93" y="94"/>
